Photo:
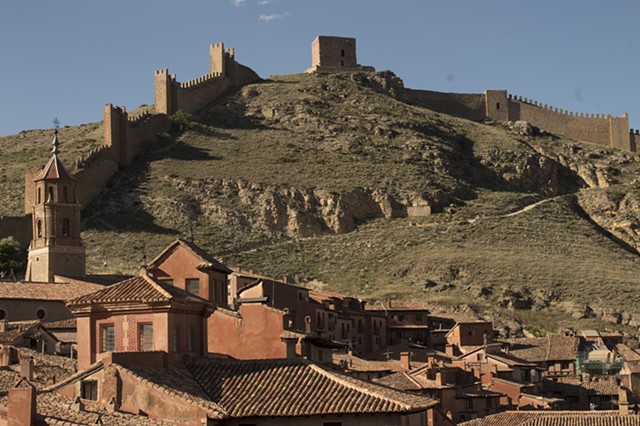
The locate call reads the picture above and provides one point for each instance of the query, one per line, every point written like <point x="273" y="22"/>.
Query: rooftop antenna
<point x="56" y="125"/>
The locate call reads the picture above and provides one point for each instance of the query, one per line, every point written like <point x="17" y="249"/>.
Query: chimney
<point x="623" y="402"/>
<point x="26" y="368"/>
<point x="3" y="325"/>
<point x="350" y="357"/>
<point x="439" y="381"/>
<point x="449" y="349"/>
<point x="307" y="325"/>
<point x="405" y="360"/>
<point x="285" y="279"/>
<point x="21" y="408"/>
<point x="77" y="405"/>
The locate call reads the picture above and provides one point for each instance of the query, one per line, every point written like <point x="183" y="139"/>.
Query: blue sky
<point x="66" y="59"/>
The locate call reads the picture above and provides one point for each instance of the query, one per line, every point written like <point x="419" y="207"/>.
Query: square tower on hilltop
<point x="334" y="54"/>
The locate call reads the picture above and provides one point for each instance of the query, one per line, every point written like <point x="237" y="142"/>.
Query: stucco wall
<point x="25" y="310"/>
<point x="253" y="335"/>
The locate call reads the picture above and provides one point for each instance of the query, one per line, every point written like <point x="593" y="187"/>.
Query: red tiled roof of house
<point x="62" y="324"/>
<point x="355" y="363"/>
<point x="296" y="388"/>
<point x="45" y="291"/>
<point x="556" y="418"/>
<point x="553" y="347"/>
<point x="207" y="261"/>
<point x="138" y="289"/>
<point x="627" y="353"/>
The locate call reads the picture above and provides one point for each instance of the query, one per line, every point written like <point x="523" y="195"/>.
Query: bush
<point x="10" y="256"/>
<point x="182" y="120"/>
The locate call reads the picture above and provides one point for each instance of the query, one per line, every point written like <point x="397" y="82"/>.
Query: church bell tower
<point x="56" y="247"/>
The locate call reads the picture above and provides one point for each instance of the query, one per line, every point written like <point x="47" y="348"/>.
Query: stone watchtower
<point x="334" y="54"/>
<point x="56" y="247"/>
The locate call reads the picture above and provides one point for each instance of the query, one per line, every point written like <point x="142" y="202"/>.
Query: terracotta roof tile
<point x="207" y="261"/>
<point x="553" y="347"/>
<point x="355" y="363"/>
<point x="138" y="289"/>
<point x="45" y="291"/>
<point x="62" y="324"/>
<point x="54" y="170"/>
<point x="296" y="388"/>
<point x="556" y="418"/>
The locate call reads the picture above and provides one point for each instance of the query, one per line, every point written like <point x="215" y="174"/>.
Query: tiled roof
<point x="99" y="279"/>
<point x="62" y="324"/>
<point x="509" y="359"/>
<point x="207" y="261"/>
<point x="45" y="291"/>
<point x="54" y="170"/>
<point x="177" y="382"/>
<point x="356" y="363"/>
<point x="16" y="329"/>
<point x="278" y="388"/>
<point x="556" y="418"/>
<point x="553" y="347"/>
<point x="627" y="353"/>
<point x="140" y="289"/>
<point x="400" y="381"/>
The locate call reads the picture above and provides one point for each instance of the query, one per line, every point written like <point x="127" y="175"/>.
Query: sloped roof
<point x="45" y="291"/>
<point x="555" y="418"/>
<point x="206" y="260"/>
<point x="54" y="170"/>
<point x="553" y="347"/>
<point x="278" y="388"/>
<point x="139" y="289"/>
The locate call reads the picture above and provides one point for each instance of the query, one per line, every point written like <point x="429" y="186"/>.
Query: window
<point x="41" y="314"/>
<point x="342" y="53"/>
<point x="418" y="318"/>
<point x="39" y="195"/>
<point x="193" y="286"/>
<point x="3" y="314"/>
<point x="89" y="389"/>
<point x="65" y="194"/>
<point x="50" y="199"/>
<point x="342" y="63"/>
<point x="145" y="337"/>
<point x="39" y="228"/>
<point x="107" y="338"/>
<point x="66" y="227"/>
<point x="176" y="338"/>
<point x="497" y="105"/>
<point x="190" y="338"/>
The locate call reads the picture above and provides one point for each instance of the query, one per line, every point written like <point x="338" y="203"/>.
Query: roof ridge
<point x="157" y="286"/>
<point x="96" y="366"/>
<point x="343" y="381"/>
<point x="411" y="379"/>
<point x="210" y="406"/>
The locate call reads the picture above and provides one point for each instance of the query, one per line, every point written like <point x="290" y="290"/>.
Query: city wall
<point x="601" y="129"/>
<point x="125" y="135"/>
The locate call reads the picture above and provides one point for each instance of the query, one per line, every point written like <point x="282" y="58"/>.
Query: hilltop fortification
<point x="498" y="105"/>
<point x="125" y="134"/>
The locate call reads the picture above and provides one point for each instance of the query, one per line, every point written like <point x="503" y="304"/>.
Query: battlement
<point x="200" y="80"/>
<point x="560" y="110"/>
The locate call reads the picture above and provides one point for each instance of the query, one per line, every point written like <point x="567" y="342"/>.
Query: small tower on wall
<point x="56" y="247"/>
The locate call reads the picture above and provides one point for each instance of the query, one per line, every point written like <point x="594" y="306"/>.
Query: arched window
<point x="65" y="194"/>
<point x="50" y="199"/>
<point x="39" y="195"/>
<point x="66" y="227"/>
<point x="39" y="228"/>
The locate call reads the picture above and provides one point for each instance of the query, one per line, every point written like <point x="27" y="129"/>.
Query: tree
<point x="10" y="255"/>
<point x="181" y="119"/>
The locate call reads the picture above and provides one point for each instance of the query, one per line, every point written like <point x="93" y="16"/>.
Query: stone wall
<point x="469" y="106"/>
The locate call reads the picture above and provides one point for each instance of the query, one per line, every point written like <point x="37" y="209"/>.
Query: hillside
<point x="332" y="180"/>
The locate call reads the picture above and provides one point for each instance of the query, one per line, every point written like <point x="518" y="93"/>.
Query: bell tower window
<point x="66" y="227"/>
<point x="65" y="194"/>
<point x="50" y="199"/>
<point x="39" y="195"/>
<point x="39" y="228"/>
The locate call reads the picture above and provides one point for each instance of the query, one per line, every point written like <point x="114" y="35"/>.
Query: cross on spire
<point x="56" y="125"/>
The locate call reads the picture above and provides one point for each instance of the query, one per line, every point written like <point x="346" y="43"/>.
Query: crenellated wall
<point x="193" y="95"/>
<point x="498" y="105"/>
<point x="125" y="136"/>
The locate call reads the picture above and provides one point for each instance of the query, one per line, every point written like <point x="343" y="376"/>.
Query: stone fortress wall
<point x="498" y="105"/>
<point x="125" y="135"/>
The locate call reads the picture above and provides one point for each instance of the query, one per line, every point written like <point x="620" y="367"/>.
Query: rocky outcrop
<point x="294" y="212"/>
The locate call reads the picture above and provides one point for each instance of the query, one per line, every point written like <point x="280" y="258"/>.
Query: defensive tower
<point x="56" y="247"/>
